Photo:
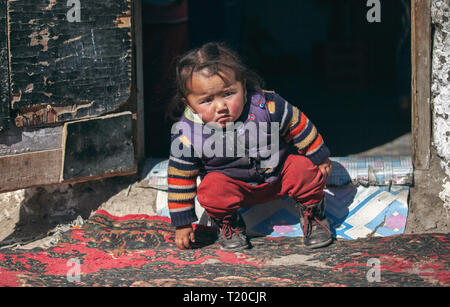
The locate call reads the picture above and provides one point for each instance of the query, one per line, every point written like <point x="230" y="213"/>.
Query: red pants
<point x="300" y="179"/>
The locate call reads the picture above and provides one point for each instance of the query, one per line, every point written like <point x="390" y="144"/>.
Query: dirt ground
<point x="30" y="214"/>
<point x="426" y="210"/>
<point x="38" y="214"/>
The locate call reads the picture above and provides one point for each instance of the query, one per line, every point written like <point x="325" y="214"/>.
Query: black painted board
<point x="4" y="77"/>
<point x="63" y="69"/>
<point x="98" y="146"/>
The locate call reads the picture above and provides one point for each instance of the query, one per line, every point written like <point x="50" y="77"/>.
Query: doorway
<point x="351" y="77"/>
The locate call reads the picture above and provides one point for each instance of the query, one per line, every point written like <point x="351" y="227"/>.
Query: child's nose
<point x="221" y="105"/>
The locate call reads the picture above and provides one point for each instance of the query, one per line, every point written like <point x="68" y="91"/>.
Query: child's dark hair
<point x="215" y="57"/>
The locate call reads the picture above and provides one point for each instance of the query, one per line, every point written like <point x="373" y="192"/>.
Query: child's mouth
<point x="223" y="119"/>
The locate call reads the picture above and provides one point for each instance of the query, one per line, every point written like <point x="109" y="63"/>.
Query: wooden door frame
<point x="421" y="47"/>
<point x="139" y="79"/>
<point x="421" y="83"/>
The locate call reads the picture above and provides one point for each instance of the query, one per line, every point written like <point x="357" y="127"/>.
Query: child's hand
<point x="183" y="235"/>
<point x="326" y="167"/>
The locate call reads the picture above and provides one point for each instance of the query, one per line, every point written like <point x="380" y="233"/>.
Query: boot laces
<point x="310" y="220"/>
<point x="228" y="230"/>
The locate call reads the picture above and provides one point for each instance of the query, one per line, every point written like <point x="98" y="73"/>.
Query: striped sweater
<point x="294" y="127"/>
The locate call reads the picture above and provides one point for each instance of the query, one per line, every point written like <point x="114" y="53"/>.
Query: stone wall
<point x="429" y="206"/>
<point x="440" y="91"/>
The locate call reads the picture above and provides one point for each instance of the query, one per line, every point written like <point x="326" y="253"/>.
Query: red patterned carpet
<point x="139" y="250"/>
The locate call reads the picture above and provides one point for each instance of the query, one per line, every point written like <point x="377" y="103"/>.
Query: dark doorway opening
<point x="351" y="77"/>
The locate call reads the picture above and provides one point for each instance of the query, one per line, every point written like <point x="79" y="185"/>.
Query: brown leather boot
<point x="232" y="232"/>
<point x="315" y="225"/>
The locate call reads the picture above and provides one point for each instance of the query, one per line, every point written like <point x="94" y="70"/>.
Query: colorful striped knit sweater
<point x="296" y="129"/>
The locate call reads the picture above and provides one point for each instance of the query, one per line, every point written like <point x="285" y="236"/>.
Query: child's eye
<point x="207" y="100"/>
<point x="229" y="93"/>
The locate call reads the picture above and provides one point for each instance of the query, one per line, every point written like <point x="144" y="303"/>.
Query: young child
<point x="220" y="95"/>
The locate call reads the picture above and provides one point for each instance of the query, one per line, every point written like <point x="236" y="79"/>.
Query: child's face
<point x="216" y="101"/>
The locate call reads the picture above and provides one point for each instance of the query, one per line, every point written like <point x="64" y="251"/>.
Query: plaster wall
<point x="440" y="91"/>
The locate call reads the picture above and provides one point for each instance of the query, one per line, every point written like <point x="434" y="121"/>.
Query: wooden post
<point x="421" y="82"/>
<point x="139" y="82"/>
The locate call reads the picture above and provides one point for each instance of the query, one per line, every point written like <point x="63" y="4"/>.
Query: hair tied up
<point x="215" y="58"/>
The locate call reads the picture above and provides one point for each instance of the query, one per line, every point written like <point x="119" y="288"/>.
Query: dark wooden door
<point x="68" y="62"/>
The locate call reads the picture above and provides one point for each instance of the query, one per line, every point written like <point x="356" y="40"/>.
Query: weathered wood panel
<point x="30" y="169"/>
<point x="81" y="150"/>
<point x="4" y="77"/>
<point x="98" y="146"/>
<point x="25" y="140"/>
<point x="421" y="82"/>
<point x="63" y="70"/>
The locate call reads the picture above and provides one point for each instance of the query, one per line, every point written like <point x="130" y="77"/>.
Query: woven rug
<point x="139" y="250"/>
